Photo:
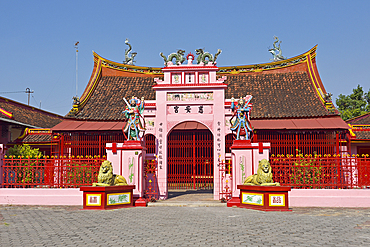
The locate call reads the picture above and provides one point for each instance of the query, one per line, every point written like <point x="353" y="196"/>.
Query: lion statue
<point x="106" y="176"/>
<point x="263" y="176"/>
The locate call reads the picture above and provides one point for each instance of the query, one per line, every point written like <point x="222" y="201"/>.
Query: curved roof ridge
<point x="270" y="65"/>
<point x="354" y="119"/>
<point x="305" y="63"/>
<point x="223" y="69"/>
<point x="121" y="66"/>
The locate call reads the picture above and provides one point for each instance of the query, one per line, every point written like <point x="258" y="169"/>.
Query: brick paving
<point x="182" y="226"/>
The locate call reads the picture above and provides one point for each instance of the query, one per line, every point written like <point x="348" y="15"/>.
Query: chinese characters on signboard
<point x="277" y="200"/>
<point x="218" y="139"/>
<point x="160" y="146"/>
<point x="206" y="96"/>
<point x="190" y="109"/>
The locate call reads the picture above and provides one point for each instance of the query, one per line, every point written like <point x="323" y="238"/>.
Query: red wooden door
<point x="190" y="159"/>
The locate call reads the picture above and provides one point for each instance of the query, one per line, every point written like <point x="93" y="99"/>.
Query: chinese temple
<point x="187" y="107"/>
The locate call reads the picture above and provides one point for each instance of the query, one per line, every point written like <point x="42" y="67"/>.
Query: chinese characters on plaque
<point x="218" y="139"/>
<point x="190" y="109"/>
<point x="160" y="146"/>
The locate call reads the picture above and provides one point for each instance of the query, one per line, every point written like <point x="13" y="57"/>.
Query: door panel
<point x="190" y="159"/>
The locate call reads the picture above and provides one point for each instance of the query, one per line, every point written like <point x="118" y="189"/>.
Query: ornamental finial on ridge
<point x="179" y="56"/>
<point x="129" y="59"/>
<point x="276" y="51"/>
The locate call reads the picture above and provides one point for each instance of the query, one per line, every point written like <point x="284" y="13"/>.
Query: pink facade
<point x="297" y="197"/>
<point x="179" y="97"/>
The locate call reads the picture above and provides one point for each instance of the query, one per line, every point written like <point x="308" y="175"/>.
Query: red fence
<point x="55" y="172"/>
<point x="85" y="143"/>
<point x="309" y="142"/>
<point x="303" y="172"/>
<point x="321" y="172"/>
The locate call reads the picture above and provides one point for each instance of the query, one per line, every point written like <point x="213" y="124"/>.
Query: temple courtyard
<point x="186" y="219"/>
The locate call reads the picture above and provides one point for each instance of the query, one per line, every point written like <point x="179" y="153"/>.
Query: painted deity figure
<point x="241" y="125"/>
<point x="135" y="121"/>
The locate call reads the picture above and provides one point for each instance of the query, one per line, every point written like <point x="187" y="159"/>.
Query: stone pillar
<point x="245" y="158"/>
<point x="128" y="160"/>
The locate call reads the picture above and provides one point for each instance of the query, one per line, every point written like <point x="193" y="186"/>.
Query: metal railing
<point x="321" y="172"/>
<point x="53" y="172"/>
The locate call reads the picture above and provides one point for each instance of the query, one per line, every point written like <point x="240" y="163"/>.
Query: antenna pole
<point x="28" y="90"/>
<point x="76" y="47"/>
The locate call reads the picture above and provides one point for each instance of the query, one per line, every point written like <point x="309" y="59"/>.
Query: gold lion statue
<point x="263" y="176"/>
<point x="106" y="176"/>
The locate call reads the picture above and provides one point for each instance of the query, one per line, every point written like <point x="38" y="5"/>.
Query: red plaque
<point x="265" y="198"/>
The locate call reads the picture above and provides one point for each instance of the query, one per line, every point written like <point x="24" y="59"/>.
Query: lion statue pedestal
<point x="110" y="192"/>
<point x="265" y="198"/>
<point x="260" y="192"/>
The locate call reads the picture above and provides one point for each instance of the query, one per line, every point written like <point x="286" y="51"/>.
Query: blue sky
<point x="37" y="39"/>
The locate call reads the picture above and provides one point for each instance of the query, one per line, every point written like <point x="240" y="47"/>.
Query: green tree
<point x="355" y="104"/>
<point x="24" y="150"/>
<point x="25" y="171"/>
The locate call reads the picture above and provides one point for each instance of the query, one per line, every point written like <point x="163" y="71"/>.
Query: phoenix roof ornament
<point x="129" y="59"/>
<point x="276" y="51"/>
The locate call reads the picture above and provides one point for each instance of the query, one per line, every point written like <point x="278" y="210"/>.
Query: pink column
<point x="128" y="160"/>
<point x="245" y="158"/>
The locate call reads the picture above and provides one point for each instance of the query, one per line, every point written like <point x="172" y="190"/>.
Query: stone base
<point x="265" y="198"/>
<point x="234" y="201"/>
<point x="140" y="202"/>
<point x="109" y="197"/>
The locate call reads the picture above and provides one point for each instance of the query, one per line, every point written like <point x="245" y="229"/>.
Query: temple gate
<point x="189" y="125"/>
<point x="190" y="159"/>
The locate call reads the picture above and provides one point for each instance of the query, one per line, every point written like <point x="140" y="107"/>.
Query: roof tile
<point x="275" y="95"/>
<point x="30" y="115"/>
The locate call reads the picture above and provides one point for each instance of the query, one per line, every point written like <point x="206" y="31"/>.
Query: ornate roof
<point x="362" y="135"/>
<point x="360" y="120"/>
<point x="106" y="102"/>
<point x="37" y="138"/>
<point x="360" y="127"/>
<point x="289" y="88"/>
<point x="29" y="115"/>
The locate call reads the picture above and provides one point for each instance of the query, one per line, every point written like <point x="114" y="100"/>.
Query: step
<point x="186" y="204"/>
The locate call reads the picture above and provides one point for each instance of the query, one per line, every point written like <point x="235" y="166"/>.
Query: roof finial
<point x="129" y="59"/>
<point x="202" y="55"/>
<point x="276" y="51"/>
<point x="179" y="56"/>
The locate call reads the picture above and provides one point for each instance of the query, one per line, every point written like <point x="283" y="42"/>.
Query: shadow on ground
<point x="190" y="195"/>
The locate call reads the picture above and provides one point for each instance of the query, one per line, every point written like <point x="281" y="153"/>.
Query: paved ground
<point x="189" y="198"/>
<point x="182" y="226"/>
